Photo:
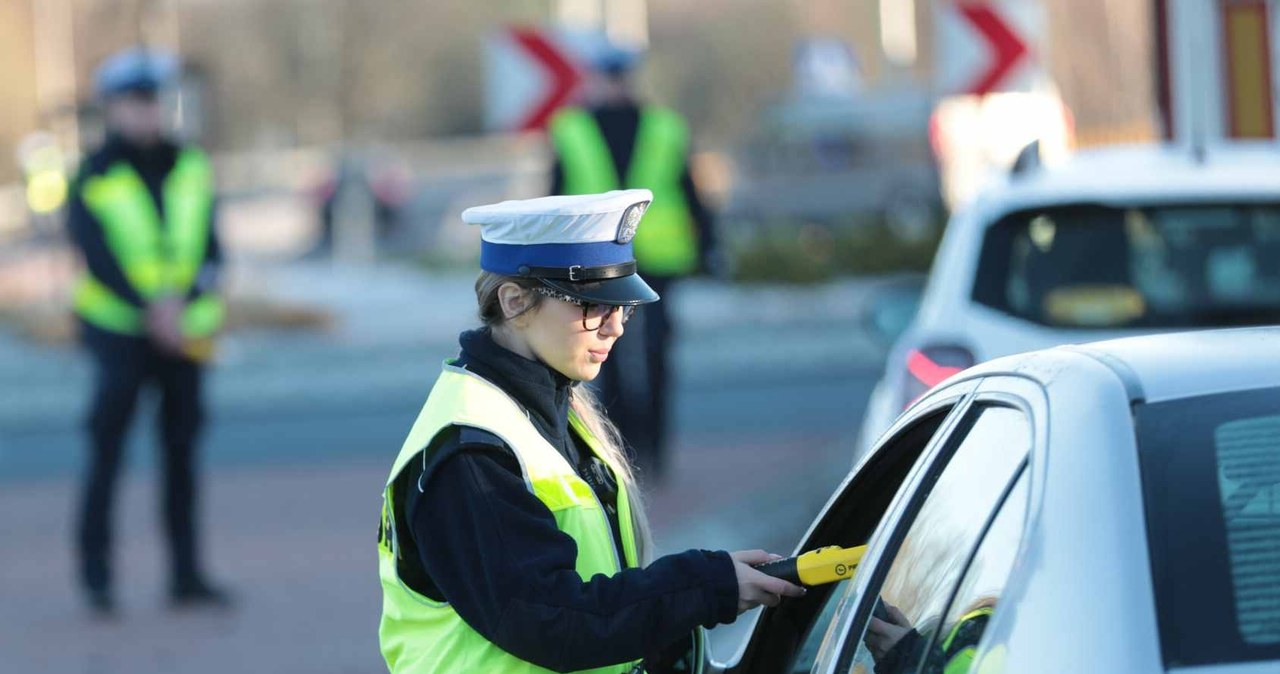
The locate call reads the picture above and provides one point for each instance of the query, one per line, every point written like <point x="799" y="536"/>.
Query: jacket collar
<point x="539" y="389"/>
<point x="155" y="160"/>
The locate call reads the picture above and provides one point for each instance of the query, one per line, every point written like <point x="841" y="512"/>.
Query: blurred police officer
<point x="141" y="215"/>
<point x="618" y="142"/>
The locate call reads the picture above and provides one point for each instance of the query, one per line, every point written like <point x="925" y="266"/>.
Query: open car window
<point x="788" y="638"/>
<point x="974" y="602"/>
<point x="929" y="549"/>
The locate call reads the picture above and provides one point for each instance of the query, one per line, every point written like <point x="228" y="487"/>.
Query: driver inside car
<point x="898" y="646"/>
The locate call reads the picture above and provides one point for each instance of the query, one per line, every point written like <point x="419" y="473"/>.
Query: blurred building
<point x="288" y="73"/>
<point x="20" y="113"/>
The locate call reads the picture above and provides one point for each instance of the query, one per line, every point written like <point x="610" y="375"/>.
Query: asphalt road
<point x="326" y="403"/>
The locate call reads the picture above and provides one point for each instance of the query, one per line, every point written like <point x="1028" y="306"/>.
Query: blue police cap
<point x="135" y="69"/>
<point x="579" y="245"/>
<point x="615" y="60"/>
<point x="602" y="54"/>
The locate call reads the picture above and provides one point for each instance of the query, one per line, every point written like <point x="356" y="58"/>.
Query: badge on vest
<point x="630" y="221"/>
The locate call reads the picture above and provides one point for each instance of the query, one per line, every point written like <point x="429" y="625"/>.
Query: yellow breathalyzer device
<point x="817" y="567"/>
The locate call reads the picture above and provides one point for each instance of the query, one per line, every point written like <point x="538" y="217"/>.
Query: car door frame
<point x="957" y="396"/>
<point x="1011" y="389"/>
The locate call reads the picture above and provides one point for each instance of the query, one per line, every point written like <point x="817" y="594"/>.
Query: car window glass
<point x="978" y="597"/>
<point x="1211" y="483"/>
<point x="1249" y="487"/>
<point x="902" y="452"/>
<point x="1093" y="266"/>
<point x="808" y="651"/>
<point x="932" y="556"/>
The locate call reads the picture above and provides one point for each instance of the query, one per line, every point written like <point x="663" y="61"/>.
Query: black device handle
<point x="786" y="569"/>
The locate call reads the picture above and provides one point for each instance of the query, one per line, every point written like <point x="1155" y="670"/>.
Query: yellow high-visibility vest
<point x="666" y="244"/>
<point x="419" y="635"/>
<point x="158" y="258"/>
<point x="962" y="660"/>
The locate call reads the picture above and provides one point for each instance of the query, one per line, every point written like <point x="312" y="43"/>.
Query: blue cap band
<point x="507" y="259"/>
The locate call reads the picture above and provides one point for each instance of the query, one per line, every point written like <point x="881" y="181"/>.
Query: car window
<point x="1211" y="486"/>
<point x="808" y="652"/>
<point x="1250" y="506"/>
<point x="1094" y="266"/>
<point x="977" y="598"/>
<point x="933" y="544"/>
<point x="787" y="638"/>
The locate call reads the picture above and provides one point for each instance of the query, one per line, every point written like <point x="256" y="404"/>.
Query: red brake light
<point x="926" y="370"/>
<point x="927" y="367"/>
<point x="935" y="137"/>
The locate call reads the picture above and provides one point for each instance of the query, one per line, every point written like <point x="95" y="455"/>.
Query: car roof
<point x="1143" y="173"/>
<point x="1163" y="367"/>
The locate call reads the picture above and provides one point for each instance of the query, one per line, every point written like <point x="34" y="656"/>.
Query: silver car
<point x="1113" y="507"/>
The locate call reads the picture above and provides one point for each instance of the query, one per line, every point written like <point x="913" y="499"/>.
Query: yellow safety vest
<point x="158" y="258"/>
<point x="666" y="244"/>
<point x="421" y="636"/>
<point x="963" y="659"/>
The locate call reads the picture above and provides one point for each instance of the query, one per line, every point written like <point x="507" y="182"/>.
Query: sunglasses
<point x="593" y="315"/>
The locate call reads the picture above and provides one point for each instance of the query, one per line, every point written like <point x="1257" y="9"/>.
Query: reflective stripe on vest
<point x="665" y="244"/>
<point x="156" y="258"/>
<point x="422" y="636"/>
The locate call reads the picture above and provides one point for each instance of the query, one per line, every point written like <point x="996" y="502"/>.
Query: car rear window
<point x="1095" y="266"/>
<point x="1211" y="481"/>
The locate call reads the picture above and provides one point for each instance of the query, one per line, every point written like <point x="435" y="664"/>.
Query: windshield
<point x="1092" y="266"/>
<point x="1211" y="481"/>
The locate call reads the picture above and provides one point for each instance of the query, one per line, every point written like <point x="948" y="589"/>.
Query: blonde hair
<point x="582" y="400"/>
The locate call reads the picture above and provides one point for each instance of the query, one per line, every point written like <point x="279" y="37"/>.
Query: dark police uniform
<point x="125" y="364"/>
<point x="506" y="540"/>
<point x="636" y="382"/>
<point x="142" y="219"/>
<point x="497" y="550"/>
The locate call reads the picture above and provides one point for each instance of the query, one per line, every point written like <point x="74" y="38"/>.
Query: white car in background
<point x="1111" y="243"/>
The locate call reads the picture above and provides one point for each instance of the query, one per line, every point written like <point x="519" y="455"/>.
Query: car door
<point x="945" y="552"/>
<point x="785" y="638"/>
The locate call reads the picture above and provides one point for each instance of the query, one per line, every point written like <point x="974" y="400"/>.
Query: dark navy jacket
<point x="490" y="548"/>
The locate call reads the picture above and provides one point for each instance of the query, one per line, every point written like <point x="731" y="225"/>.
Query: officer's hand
<point x="883" y="635"/>
<point x="756" y="588"/>
<point x="164" y="324"/>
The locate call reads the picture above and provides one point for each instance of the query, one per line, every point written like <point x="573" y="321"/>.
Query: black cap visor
<point x="623" y="291"/>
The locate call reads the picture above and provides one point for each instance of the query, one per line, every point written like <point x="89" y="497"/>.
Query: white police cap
<point x="135" y="69"/>
<point x="580" y="245"/>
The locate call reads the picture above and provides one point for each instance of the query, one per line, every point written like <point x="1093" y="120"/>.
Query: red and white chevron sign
<point x="531" y="72"/>
<point x="987" y="45"/>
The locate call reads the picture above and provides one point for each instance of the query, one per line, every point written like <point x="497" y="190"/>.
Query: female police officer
<point x="512" y="538"/>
